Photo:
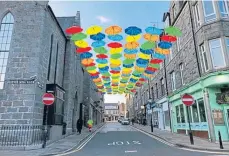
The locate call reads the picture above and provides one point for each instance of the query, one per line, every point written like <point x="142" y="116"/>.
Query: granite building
<point x="36" y="56"/>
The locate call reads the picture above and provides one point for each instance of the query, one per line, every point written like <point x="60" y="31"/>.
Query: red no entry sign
<point x="48" y="99"/>
<point x="187" y="99"/>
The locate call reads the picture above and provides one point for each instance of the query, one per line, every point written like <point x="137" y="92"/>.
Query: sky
<point x="106" y="13"/>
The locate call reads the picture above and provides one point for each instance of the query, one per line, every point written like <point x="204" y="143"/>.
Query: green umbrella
<point x="91" y="68"/>
<point x="106" y="74"/>
<point x="148" y="45"/>
<point x="90" y="122"/>
<point x="136" y="72"/>
<point x="157" y="66"/>
<point x="173" y="31"/>
<point x="100" y="50"/>
<point x="115" y="77"/>
<point x="128" y="61"/>
<point x="116" y="56"/>
<point x="79" y="36"/>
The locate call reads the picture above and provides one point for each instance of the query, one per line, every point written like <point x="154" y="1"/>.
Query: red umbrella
<point x="138" y="84"/>
<point x="89" y="65"/>
<point x="151" y="69"/>
<point x="82" y="50"/>
<point x="141" y="79"/>
<point x="104" y="77"/>
<point x="95" y="74"/>
<point x="114" y="45"/>
<point x="114" y="72"/>
<point x="133" y="90"/>
<point x="100" y="87"/>
<point x="168" y="38"/>
<point x="102" y="56"/>
<point x="74" y="30"/>
<point x="114" y="85"/>
<point x="156" y="61"/>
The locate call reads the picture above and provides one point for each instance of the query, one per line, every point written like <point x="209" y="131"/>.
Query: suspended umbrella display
<point x="74" y="30"/>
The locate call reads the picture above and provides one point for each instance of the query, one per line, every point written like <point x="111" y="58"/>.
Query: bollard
<point x="220" y="140"/>
<point x="191" y="138"/>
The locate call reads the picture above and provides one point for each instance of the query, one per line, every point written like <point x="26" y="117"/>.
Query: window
<point x="203" y="57"/>
<point x="197" y="15"/>
<point x="167" y="22"/>
<point x="227" y="44"/>
<point x="181" y="73"/>
<point x="6" y="29"/>
<point x="174" y="12"/>
<point x="173" y="80"/>
<point x="156" y="91"/>
<point x="50" y="57"/>
<point x="223" y="8"/>
<point x="178" y="114"/>
<point x="195" y="113"/>
<point x="202" y="110"/>
<point x="216" y="53"/>
<point x="209" y="10"/>
<point x="182" y="114"/>
<point x="178" y="44"/>
<point x="162" y="87"/>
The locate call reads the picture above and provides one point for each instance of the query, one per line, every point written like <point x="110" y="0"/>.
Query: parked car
<point x="125" y="122"/>
<point x="120" y="120"/>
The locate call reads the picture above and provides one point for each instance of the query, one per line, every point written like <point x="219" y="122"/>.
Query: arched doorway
<point x="74" y="113"/>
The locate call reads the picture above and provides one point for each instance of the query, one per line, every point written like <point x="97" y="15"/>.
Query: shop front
<point x="209" y="113"/>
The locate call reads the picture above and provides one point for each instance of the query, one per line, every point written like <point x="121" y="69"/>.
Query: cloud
<point x="103" y="19"/>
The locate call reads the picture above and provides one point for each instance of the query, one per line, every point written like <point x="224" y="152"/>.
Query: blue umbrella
<point x="130" y="51"/>
<point x="97" y="37"/>
<point x="102" y="61"/>
<point x="115" y="37"/>
<point x="133" y="30"/>
<point x="137" y="74"/>
<point x="95" y="77"/>
<point x="98" y="44"/>
<point x="116" y="69"/>
<point x="142" y="61"/>
<point x="158" y="56"/>
<point x="153" y="31"/>
<point x="106" y="68"/>
<point x="107" y="84"/>
<point x="165" y="45"/>
<point x="128" y="65"/>
<point x="147" y="51"/>
<point x="149" y="72"/>
<point x="142" y="65"/>
<point x="133" y="80"/>
<point x="85" y="55"/>
<point x="102" y="71"/>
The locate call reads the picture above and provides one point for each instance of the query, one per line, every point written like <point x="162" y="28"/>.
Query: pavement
<point x="57" y="147"/>
<point x="181" y="140"/>
<point x="115" y="139"/>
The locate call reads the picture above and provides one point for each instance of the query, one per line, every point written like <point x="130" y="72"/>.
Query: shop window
<point x="217" y="53"/>
<point x="209" y="10"/>
<point x="195" y="113"/>
<point x="202" y="110"/>
<point x="223" y="8"/>
<point x="178" y="114"/>
<point x="182" y="114"/>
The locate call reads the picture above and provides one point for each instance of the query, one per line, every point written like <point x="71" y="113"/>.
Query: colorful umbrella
<point x="131" y="45"/>
<point x="144" y="56"/>
<point x="85" y="55"/>
<point x="156" y="61"/>
<point x="101" y="61"/>
<point x="133" y="30"/>
<point x="93" y="30"/>
<point x="116" y="56"/>
<point x="78" y="36"/>
<point x="142" y="61"/>
<point x="74" y="30"/>
<point x="113" y="30"/>
<point x="130" y="51"/>
<point x="148" y="45"/>
<point x="114" y="45"/>
<point x="87" y="61"/>
<point x="82" y="50"/>
<point x="115" y="50"/>
<point x="133" y="38"/>
<point x="165" y="45"/>
<point x="162" y="51"/>
<point x="173" y="31"/>
<point x="128" y="61"/>
<point x="168" y="38"/>
<point x="152" y="38"/>
<point x="153" y="31"/>
<point x="158" y="56"/>
<point x="97" y="37"/>
<point x="98" y="44"/>
<point x="115" y="37"/>
<point x="146" y="51"/>
<point x="130" y="56"/>
<point x="81" y="44"/>
<point x="100" y="50"/>
<point x="91" y="68"/>
<point x="101" y="56"/>
<point x="128" y="65"/>
<point x="102" y="65"/>
<point x="157" y="66"/>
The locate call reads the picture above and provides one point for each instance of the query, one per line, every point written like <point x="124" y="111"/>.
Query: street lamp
<point x="150" y="101"/>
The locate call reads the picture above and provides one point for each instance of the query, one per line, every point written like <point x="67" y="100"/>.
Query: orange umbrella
<point x="130" y="56"/>
<point x="97" y="80"/>
<point x="151" y="38"/>
<point x="162" y="51"/>
<point x="87" y="61"/>
<point x="113" y="30"/>
<point x="131" y="45"/>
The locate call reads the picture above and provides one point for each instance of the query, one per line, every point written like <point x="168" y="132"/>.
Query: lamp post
<point x="150" y="101"/>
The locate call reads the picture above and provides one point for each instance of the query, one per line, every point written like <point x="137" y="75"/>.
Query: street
<point x="115" y="139"/>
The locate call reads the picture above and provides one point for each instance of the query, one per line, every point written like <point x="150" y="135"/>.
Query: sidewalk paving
<point x="59" y="146"/>
<point x="183" y="140"/>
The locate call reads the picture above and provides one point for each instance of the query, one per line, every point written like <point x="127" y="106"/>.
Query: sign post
<point x="188" y="100"/>
<point x="47" y="99"/>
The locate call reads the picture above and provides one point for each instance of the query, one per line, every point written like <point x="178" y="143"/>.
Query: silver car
<point x="125" y="122"/>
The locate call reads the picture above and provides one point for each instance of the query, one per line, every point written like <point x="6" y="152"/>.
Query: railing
<point x="21" y="135"/>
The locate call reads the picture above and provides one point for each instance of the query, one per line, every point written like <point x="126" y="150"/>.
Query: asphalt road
<point x="115" y="139"/>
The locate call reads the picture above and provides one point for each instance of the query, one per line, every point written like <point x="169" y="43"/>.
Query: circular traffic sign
<point x="188" y="100"/>
<point x="48" y="99"/>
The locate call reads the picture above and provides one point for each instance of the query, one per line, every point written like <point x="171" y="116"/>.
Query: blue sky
<point x="106" y="13"/>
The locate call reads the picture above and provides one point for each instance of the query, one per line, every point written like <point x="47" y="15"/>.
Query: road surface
<point x="115" y="139"/>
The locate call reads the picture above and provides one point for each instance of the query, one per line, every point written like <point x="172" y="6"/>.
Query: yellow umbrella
<point x="115" y="80"/>
<point x="81" y="44"/>
<point x="114" y="65"/>
<point x="151" y="38"/>
<point x="117" y="74"/>
<point x="139" y="69"/>
<point x="130" y="56"/>
<point x="131" y="45"/>
<point x="92" y="71"/>
<point x="115" y="50"/>
<point x="94" y="30"/>
<point x="162" y="51"/>
<point x="87" y="61"/>
<point x="144" y="56"/>
<point x="99" y="85"/>
<point x="134" y="77"/>
<point x="133" y="38"/>
<point x="102" y="65"/>
<point x="127" y="72"/>
<point x="113" y="30"/>
<point x="115" y="61"/>
<point x="122" y="85"/>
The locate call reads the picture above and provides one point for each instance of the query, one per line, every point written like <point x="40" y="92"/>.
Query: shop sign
<point x="20" y="81"/>
<point x="222" y="98"/>
<point x="218" y="117"/>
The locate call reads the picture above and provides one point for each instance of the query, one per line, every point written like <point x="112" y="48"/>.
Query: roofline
<point x="50" y="9"/>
